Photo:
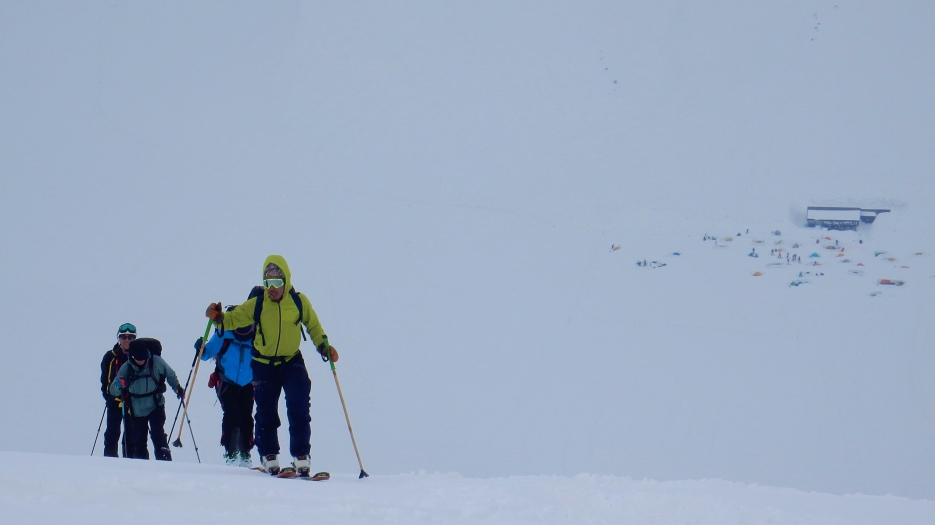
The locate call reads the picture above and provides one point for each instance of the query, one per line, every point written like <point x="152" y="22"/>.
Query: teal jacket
<point x="143" y="385"/>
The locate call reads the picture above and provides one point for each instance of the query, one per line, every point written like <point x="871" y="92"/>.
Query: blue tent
<point x="814" y="255"/>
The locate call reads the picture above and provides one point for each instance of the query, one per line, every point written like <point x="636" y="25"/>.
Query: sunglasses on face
<point x="274" y="283"/>
<point x="127" y="337"/>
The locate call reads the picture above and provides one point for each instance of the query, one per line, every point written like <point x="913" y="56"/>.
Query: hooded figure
<point x="139" y="383"/>
<point x="278" y="366"/>
<point x="280" y="328"/>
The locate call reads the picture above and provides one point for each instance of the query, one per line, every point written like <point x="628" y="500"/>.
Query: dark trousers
<point x="269" y="381"/>
<point x="137" y="428"/>
<point x="112" y="433"/>
<point x="237" y="421"/>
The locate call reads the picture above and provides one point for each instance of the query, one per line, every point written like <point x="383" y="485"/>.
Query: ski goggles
<point x="274" y="283"/>
<point x="127" y="328"/>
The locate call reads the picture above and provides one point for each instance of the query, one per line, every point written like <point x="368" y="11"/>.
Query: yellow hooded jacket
<point x="283" y="335"/>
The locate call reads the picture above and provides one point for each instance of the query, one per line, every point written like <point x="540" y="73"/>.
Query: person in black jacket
<point x="110" y="364"/>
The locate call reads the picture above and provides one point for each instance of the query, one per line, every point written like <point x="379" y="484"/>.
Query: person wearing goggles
<point x="277" y="365"/>
<point x="110" y="364"/>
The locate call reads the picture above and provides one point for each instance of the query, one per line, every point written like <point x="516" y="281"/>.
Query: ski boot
<point x="302" y="465"/>
<point x="245" y="460"/>
<point x="270" y="464"/>
<point x="230" y="459"/>
<point x="163" y="454"/>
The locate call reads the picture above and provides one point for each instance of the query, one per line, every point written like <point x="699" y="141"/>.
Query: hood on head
<point x="279" y="261"/>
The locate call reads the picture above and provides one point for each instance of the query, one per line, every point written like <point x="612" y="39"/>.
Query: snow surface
<point x="446" y="181"/>
<point x="84" y="490"/>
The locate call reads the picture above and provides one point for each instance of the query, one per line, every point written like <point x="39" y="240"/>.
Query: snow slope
<point x="83" y="491"/>
<point x="446" y="181"/>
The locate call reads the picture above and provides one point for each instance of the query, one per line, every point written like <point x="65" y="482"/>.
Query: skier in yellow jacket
<point x="278" y="365"/>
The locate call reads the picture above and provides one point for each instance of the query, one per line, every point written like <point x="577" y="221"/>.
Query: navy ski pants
<point x="112" y="433"/>
<point x="269" y="380"/>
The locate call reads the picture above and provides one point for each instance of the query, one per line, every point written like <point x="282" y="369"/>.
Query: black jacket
<point x="110" y="364"/>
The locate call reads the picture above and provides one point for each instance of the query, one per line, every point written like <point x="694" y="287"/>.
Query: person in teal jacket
<point x="278" y="365"/>
<point x="138" y="384"/>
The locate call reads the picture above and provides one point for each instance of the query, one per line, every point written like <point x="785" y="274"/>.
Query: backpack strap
<point x="267" y="360"/>
<point x="257" y="309"/>
<point x="224" y="346"/>
<point x="298" y="304"/>
<point x="152" y="375"/>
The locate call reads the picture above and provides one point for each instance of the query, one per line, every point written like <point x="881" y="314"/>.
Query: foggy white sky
<point x="444" y="180"/>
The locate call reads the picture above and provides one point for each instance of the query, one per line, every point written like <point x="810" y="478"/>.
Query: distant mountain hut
<point x="834" y="218"/>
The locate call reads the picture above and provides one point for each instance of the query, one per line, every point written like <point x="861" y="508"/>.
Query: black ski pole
<point x="181" y="401"/>
<point x="197" y="455"/>
<point x="190" y="370"/>
<point x="99" y="425"/>
<point x="188" y="398"/>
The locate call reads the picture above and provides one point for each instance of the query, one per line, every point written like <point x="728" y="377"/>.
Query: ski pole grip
<point x="204" y="341"/>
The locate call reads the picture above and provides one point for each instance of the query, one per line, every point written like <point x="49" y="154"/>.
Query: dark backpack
<point x="153" y="345"/>
<point x="259" y="308"/>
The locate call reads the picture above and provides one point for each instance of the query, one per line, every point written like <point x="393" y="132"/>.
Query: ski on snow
<point x="289" y="473"/>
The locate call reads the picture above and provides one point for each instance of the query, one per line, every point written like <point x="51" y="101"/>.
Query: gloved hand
<point x="123" y="383"/>
<point x="214" y="312"/>
<point x="198" y="344"/>
<point x="107" y="397"/>
<point x="180" y="393"/>
<point x="331" y="351"/>
<point x="213" y="380"/>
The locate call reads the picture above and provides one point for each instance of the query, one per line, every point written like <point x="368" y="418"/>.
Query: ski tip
<point x="286" y="472"/>
<point x="363" y="474"/>
<point x="320" y="476"/>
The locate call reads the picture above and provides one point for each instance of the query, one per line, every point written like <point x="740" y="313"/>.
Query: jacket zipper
<point x="240" y="364"/>
<point x="279" y="335"/>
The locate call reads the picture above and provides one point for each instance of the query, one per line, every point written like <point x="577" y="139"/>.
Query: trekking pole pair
<point x="190" y="370"/>
<point x="123" y="441"/>
<point x="188" y="396"/>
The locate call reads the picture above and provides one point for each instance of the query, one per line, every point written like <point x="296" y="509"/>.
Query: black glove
<point x="198" y="343"/>
<point x="180" y="393"/>
<point x="107" y="397"/>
